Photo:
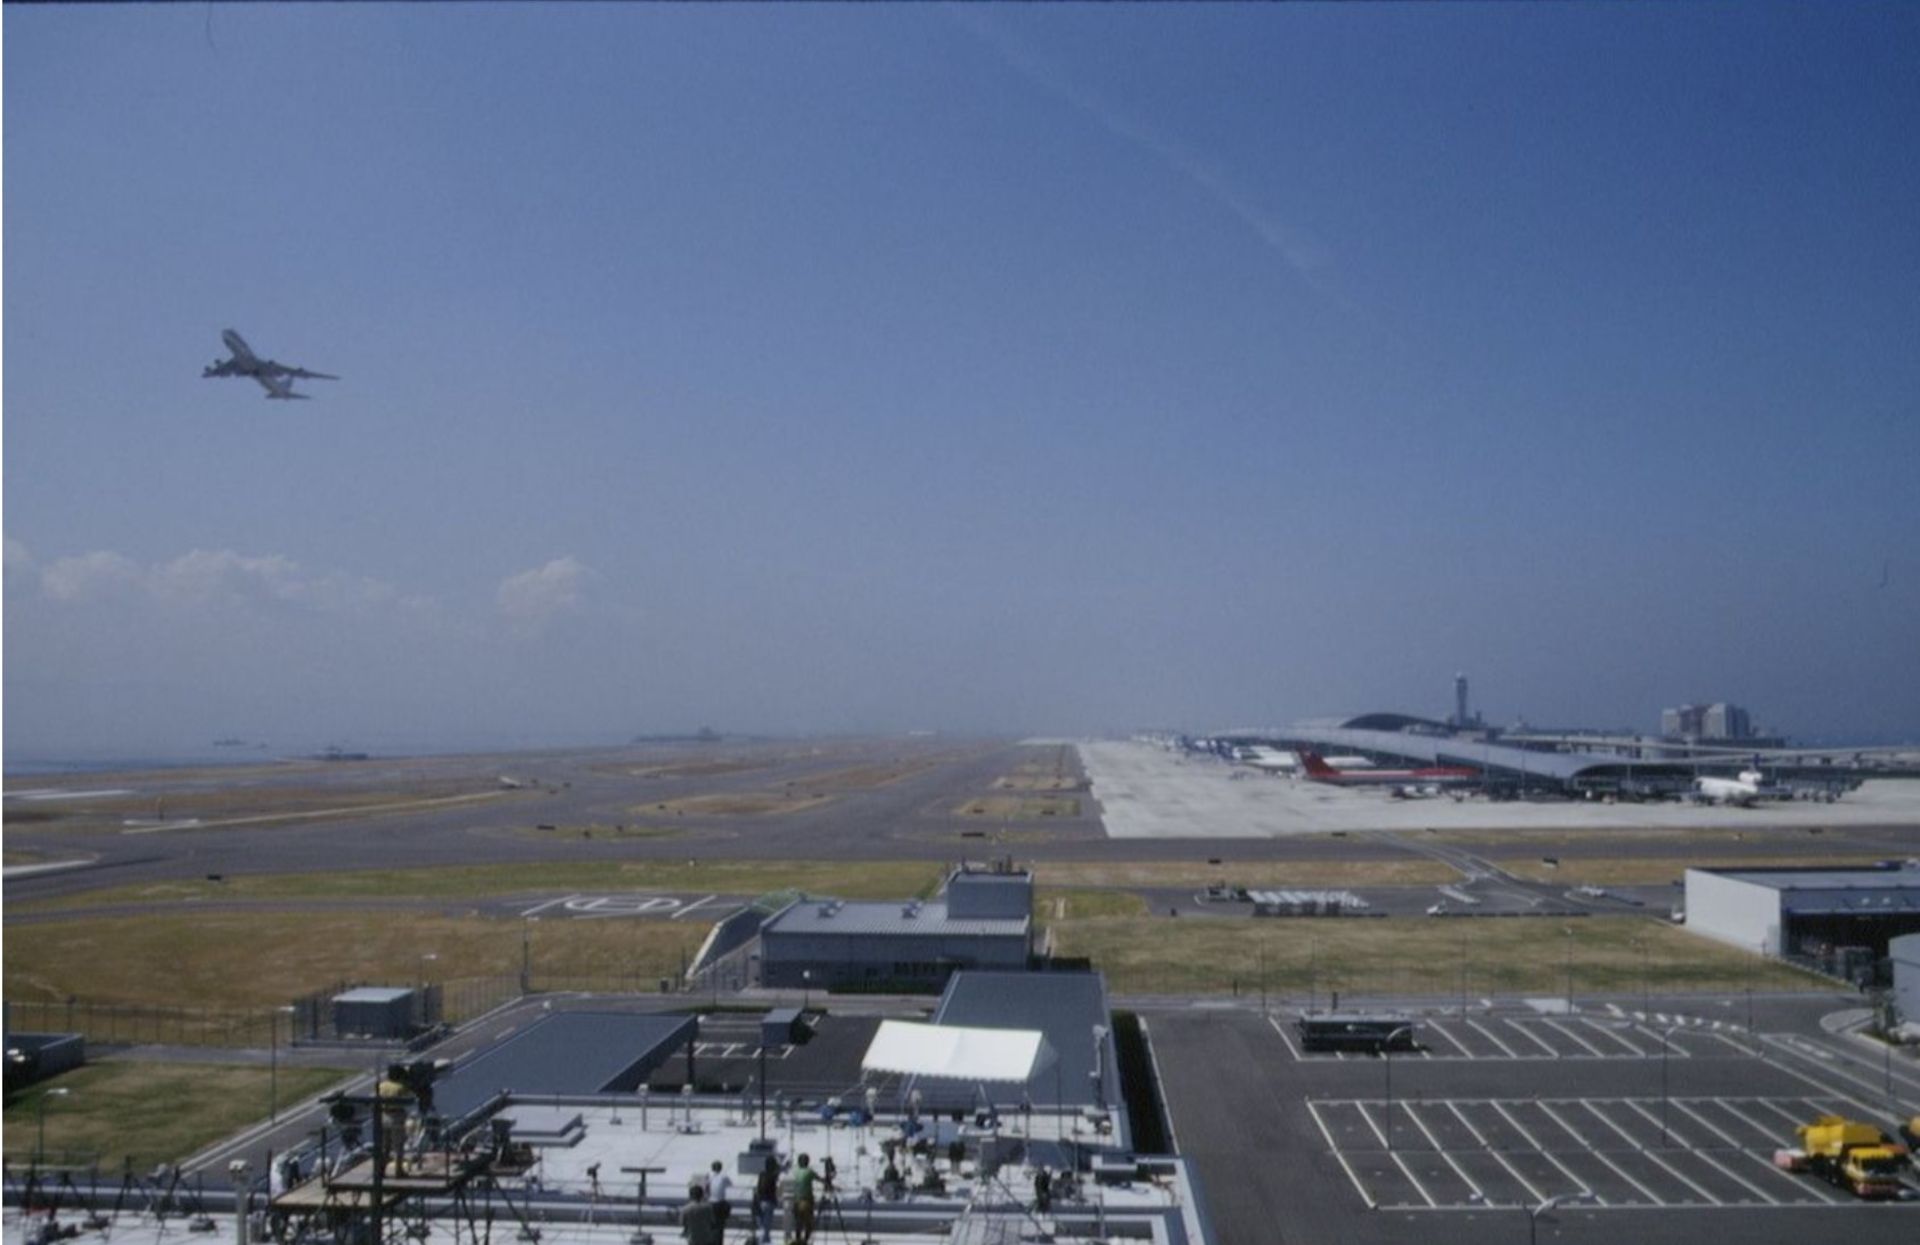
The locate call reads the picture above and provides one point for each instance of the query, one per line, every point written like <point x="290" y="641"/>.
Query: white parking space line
<point x="1510" y="1052"/>
<point x="1281" y="1030"/>
<point x="1709" y="1157"/>
<point x="1518" y="1126"/>
<point x="1451" y="1161"/>
<point x="1709" y="1125"/>
<point x="1526" y="1184"/>
<point x="1663" y="1039"/>
<point x="1458" y="1045"/>
<point x="1477" y="1134"/>
<point x="1673" y="1135"/>
<point x="1868" y="1110"/>
<point x="1596" y="1152"/>
<point x="1535" y="1143"/>
<point x="1339" y="1157"/>
<point x="1591" y="1048"/>
<point x="1535" y="1038"/>
<point x="1726" y="1104"/>
<point x="1745" y="1048"/>
<point x="1612" y="1035"/>
<point x="1361" y="1107"/>
<point x="1412" y="1179"/>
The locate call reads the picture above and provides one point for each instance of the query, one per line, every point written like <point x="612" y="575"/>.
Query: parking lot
<point x="1610" y="1033"/>
<point x="1630" y="1152"/>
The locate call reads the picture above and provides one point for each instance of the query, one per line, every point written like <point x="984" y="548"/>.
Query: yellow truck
<point x="1853" y="1155"/>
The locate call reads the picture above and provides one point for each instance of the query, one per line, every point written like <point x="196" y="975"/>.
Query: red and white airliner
<point x="1317" y="769"/>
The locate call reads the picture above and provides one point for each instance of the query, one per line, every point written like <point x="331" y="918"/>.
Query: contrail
<point x="1302" y="252"/>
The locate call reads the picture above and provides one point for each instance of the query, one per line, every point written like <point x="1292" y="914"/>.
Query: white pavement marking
<point x="1592" y="1049"/>
<point x="1361" y="1107"/>
<point x="1668" y="1132"/>
<point x="1596" y="1152"/>
<point x="1517" y="1175"/>
<point x="1413" y="1179"/>
<point x="1666" y="1040"/>
<point x="1511" y="1053"/>
<point x="1826" y="1089"/>
<point x="1279" y="1029"/>
<point x="1708" y="1124"/>
<point x="1653" y="1155"/>
<point x="1552" y="1051"/>
<point x="1458" y="1170"/>
<point x="1542" y="1150"/>
<point x="1743" y="1049"/>
<point x="690" y="907"/>
<point x="1612" y="1035"/>
<point x="1436" y="1027"/>
<point x="551" y="903"/>
<point x="1460" y="1115"/>
<point x="1338" y="1157"/>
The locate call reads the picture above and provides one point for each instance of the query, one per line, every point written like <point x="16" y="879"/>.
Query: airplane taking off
<point x="276" y="378"/>
<point x="1318" y="770"/>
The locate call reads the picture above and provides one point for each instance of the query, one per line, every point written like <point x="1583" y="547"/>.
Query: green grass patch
<point x="880" y="879"/>
<point x="149" y="1112"/>
<point x="1375" y="957"/>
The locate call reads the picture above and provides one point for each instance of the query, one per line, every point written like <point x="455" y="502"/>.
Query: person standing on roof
<point x="803" y="1179"/>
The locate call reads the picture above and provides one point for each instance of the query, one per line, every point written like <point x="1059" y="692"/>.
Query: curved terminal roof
<point x="1428" y="742"/>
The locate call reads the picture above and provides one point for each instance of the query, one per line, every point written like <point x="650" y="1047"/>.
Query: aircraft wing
<point x="300" y="373"/>
<point x="224" y="367"/>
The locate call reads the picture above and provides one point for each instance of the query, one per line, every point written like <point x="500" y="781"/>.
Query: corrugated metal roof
<point x="816" y="916"/>
<point x="1890" y="880"/>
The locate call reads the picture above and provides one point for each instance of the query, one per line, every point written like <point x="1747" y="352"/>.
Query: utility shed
<point x="1070" y="1011"/>
<point x="375" y="1012"/>
<point x="1806" y="912"/>
<point x="567" y="1054"/>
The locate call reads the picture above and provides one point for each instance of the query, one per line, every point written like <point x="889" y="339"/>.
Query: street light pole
<point x="1666" y="1044"/>
<point x="1386" y="1053"/>
<point x="1552" y="1203"/>
<point x="1568" y="931"/>
<point x="40" y="1146"/>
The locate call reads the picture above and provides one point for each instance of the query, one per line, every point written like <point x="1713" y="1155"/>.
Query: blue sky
<point x="986" y="368"/>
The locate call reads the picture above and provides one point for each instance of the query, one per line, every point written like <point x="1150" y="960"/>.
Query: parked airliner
<point x="276" y="378"/>
<point x="1318" y="770"/>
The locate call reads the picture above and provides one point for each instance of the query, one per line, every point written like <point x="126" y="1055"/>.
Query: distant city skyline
<point x="985" y="369"/>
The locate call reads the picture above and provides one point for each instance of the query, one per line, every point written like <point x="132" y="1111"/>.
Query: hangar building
<point x="983" y="920"/>
<point x="1806" y="913"/>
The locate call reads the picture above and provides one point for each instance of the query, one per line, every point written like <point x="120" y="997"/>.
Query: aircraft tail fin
<point x="1316" y="765"/>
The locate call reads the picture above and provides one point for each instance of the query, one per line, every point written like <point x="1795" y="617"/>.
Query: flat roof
<point x="1852" y="877"/>
<point x="929" y="919"/>
<point x="1064" y="1007"/>
<point x="373" y="994"/>
<point x="565" y="1053"/>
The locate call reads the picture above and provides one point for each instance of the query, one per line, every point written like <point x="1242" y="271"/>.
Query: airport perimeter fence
<point x="139" y="1024"/>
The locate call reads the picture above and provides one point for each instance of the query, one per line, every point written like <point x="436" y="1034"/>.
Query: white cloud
<point x="19" y="565"/>
<point x="533" y="598"/>
<point x="216" y="578"/>
<point x="91" y="576"/>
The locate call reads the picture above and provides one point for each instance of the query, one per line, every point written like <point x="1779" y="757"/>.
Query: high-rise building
<point x="1716" y="721"/>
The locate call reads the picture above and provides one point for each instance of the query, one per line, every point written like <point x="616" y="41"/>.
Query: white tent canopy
<point x="957" y="1053"/>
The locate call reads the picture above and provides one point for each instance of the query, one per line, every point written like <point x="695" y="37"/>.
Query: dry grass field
<point x="150" y="1112"/>
<point x="733" y="804"/>
<point x="1360" y="957"/>
<point x="1251" y="873"/>
<point x="240" y="960"/>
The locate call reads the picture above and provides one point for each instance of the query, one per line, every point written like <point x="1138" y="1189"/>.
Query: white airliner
<point x="1742" y="790"/>
<point x="276" y="378"/>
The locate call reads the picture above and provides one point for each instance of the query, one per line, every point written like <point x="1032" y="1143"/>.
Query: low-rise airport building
<point x="983" y="920"/>
<point x="1842" y="919"/>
